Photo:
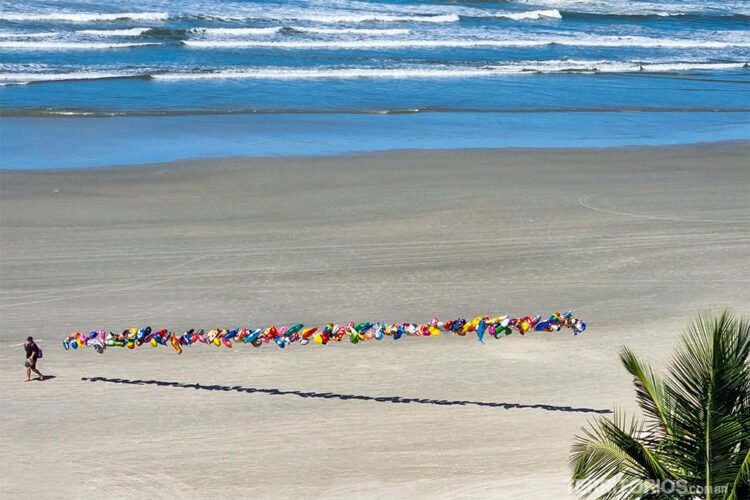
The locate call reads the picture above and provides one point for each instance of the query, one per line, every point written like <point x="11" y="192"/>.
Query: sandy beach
<point x="633" y="240"/>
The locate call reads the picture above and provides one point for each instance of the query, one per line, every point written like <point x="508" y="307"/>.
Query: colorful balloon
<point x="496" y="326"/>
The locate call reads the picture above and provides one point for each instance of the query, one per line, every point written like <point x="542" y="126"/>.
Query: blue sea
<point x="86" y="83"/>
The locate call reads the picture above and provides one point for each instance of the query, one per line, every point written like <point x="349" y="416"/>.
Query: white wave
<point x="530" y="15"/>
<point x="123" y="32"/>
<point x="230" y="32"/>
<point x="686" y="66"/>
<point x="236" y="31"/>
<point x="72" y="113"/>
<point x="604" y="41"/>
<point x="278" y="73"/>
<point x="352" y="31"/>
<point x="24" y="67"/>
<point x="341" y="18"/>
<point x="646" y="42"/>
<point x="662" y="8"/>
<point x="384" y="18"/>
<point x="85" y="17"/>
<point x="19" y="78"/>
<point x="360" y="44"/>
<point x="528" y="67"/>
<point x="27" y="35"/>
<point x="52" y="46"/>
<point x="347" y="73"/>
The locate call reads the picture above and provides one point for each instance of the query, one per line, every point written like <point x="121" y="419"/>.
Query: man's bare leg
<point x="41" y="377"/>
<point x="28" y="374"/>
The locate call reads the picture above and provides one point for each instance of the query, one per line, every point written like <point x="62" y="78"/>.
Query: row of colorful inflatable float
<point x="497" y="327"/>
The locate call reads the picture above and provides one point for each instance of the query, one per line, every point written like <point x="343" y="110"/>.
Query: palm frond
<point x="707" y="383"/>
<point x="697" y="420"/>
<point x="610" y="450"/>
<point x="650" y="392"/>
<point x="743" y="477"/>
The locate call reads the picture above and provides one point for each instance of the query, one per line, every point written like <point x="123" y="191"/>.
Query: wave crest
<point x="22" y="75"/>
<point x="85" y="17"/>
<point x="534" y="15"/>
<point x="123" y="32"/>
<point x="53" y="46"/>
<point x="592" y="41"/>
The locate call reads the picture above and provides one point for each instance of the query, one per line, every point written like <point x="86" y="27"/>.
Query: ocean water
<point x="86" y="83"/>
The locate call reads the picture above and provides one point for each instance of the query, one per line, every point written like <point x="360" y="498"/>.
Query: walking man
<point x="32" y="354"/>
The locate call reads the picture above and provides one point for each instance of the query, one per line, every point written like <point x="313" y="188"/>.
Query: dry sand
<point x="633" y="240"/>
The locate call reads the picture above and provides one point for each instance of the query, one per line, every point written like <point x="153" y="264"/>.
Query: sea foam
<point x="529" y="67"/>
<point x="530" y="15"/>
<point x="84" y="17"/>
<point x="53" y="46"/>
<point x="44" y="34"/>
<point x="592" y="41"/>
<point x="122" y="32"/>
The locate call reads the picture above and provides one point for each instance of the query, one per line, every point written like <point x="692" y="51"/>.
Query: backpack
<point x="41" y="354"/>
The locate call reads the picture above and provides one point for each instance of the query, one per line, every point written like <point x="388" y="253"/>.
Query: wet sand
<point x="634" y="240"/>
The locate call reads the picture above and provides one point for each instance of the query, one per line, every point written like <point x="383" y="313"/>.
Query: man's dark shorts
<point x="30" y="364"/>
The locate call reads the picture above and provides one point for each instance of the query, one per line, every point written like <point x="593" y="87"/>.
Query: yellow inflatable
<point x="176" y="345"/>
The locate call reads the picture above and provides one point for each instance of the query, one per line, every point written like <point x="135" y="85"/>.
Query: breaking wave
<point x="85" y="17"/>
<point x="122" y="32"/>
<point x="54" y="46"/>
<point x="279" y="73"/>
<point x="603" y="41"/>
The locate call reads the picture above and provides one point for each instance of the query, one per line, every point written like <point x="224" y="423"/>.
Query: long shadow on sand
<point x="332" y="395"/>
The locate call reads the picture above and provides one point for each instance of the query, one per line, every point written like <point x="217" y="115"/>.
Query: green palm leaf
<point x="650" y="393"/>
<point x="696" y="428"/>
<point x="743" y="476"/>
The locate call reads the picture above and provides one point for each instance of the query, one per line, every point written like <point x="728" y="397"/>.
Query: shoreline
<point x="52" y="143"/>
<point x="734" y="145"/>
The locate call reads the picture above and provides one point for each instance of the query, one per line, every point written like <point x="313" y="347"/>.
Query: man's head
<point x="29" y="339"/>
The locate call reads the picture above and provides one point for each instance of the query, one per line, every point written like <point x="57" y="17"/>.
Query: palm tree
<point x="694" y="439"/>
